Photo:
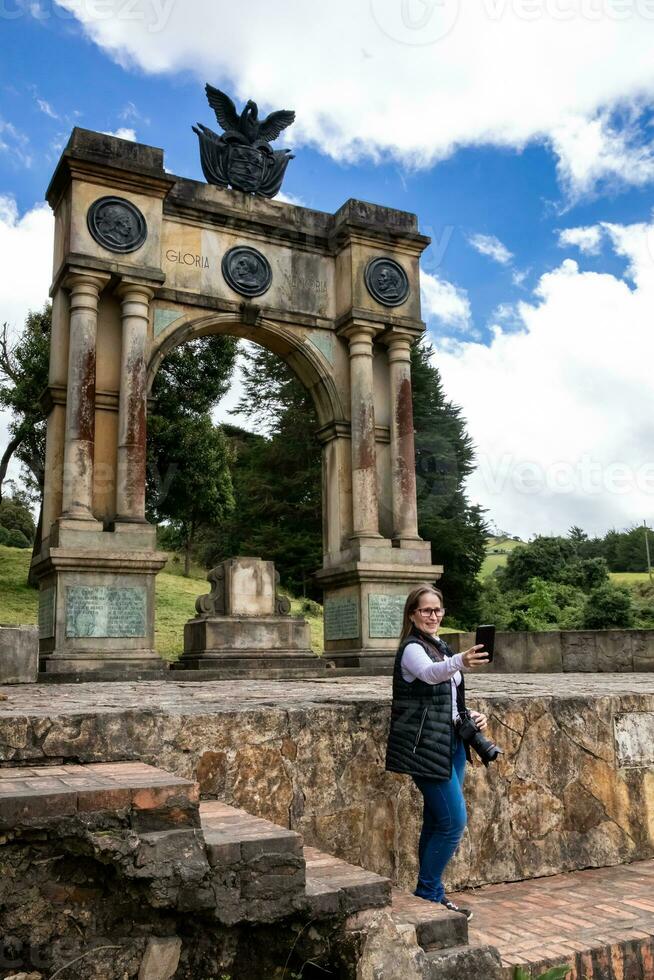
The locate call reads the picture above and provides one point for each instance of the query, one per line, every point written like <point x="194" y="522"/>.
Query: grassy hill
<point x="175" y="601"/>
<point x="497" y="550"/>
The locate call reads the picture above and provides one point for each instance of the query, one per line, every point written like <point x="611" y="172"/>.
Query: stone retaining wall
<point x="574" y="789"/>
<point x="558" y="651"/>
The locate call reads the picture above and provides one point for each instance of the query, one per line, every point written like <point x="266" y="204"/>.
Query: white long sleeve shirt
<point x="416" y="664"/>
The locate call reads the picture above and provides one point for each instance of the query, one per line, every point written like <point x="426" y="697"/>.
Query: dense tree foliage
<point x="23" y="379"/>
<point x="276" y="474"/>
<point x="552" y="583"/>
<point x="189" y="479"/>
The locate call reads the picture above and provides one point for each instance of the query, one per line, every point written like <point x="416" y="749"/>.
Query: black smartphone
<point x="486" y="635"/>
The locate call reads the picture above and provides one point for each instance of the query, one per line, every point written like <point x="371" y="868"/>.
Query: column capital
<point x="134" y="289"/>
<point x="359" y="330"/>
<point x="81" y="280"/>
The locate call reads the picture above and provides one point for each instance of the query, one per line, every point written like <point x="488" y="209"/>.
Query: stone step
<point x="435" y="926"/>
<point x="479" y="962"/>
<point x="154" y="799"/>
<point x="334" y="886"/>
<point x="258" y="867"/>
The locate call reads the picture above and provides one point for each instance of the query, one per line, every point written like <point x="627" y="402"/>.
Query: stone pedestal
<point x="19" y="654"/>
<point x="364" y="603"/>
<point x="243" y="624"/>
<point x="96" y="601"/>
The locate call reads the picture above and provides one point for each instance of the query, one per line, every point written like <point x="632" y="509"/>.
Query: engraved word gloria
<point x="187" y="258"/>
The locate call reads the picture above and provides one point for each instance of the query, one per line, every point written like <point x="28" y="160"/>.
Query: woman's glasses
<point x="427" y="611"/>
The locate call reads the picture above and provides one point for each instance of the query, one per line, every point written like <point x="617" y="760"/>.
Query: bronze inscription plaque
<point x="103" y="610"/>
<point x="385" y="615"/>
<point x="341" y="619"/>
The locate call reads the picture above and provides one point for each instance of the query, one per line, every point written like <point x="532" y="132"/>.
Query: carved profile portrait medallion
<point x="117" y="224"/>
<point x="247" y="271"/>
<point x="387" y="281"/>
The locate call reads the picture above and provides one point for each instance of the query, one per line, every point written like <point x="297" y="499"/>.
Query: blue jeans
<point x="443" y="823"/>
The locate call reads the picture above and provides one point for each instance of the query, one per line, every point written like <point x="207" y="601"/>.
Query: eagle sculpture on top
<point x="241" y="156"/>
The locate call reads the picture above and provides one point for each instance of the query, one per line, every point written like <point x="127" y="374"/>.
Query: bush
<point x="13" y="538"/>
<point x="608" y="606"/>
<point x="15" y="516"/>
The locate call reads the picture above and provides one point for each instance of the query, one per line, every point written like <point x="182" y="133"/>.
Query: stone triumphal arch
<point x="143" y="261"/>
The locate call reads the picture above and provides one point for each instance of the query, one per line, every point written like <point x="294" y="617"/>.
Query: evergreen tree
<point x="189" y="480"/>
<point x="444" y="458"/>
<point x="23" y="379"/>
<point x="277" y="474"/>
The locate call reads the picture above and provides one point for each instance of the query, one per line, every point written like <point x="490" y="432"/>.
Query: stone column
<point x="77" y="497"/>
<point x="403" y="454"/>
<point x="130" y="468"/>
<point x="365" y="515"/>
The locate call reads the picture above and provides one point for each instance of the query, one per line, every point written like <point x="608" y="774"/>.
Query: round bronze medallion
<point x="387" y="281"/>
<point x="117" y="224"/>
<point x="247" y="271"/>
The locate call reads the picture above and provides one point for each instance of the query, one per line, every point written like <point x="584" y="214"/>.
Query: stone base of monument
<point x="96" y="602"/>
<point x="243" y="626"/>
<point x="247" y="641"/>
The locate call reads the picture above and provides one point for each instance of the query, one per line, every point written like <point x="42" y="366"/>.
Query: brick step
<point x="335" y="886"/>
<point x="600" y="922"/>
<point x="435" y="926"/>
<point x="154" y="798"/>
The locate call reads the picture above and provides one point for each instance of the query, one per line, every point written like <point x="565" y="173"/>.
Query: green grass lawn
<point x="18" y="602"/>
<point x="175" y="601"/>
<point x="630" y="578"/>
<point x="492" y="561"/>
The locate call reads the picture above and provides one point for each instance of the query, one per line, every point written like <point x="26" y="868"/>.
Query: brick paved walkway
<point x="600" y="921"/>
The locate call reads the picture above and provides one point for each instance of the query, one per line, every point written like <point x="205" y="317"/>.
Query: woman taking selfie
<point x="428" y="702"/>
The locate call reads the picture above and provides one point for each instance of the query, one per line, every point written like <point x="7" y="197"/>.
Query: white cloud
<point x="14" y="143"/>
<point x="595" y="150"/>
<point x="492" y="247"/>
<point x="123" y="133"/>
<point x="562" y="411"/>
<point x="445" y="302"/>
<point x="26" y="260"/>
<point x="46" y="108"/>
<point x="414" y="80"/>
<point x="26" y="244"/>
<point x="588" y="239"/>
<point x="290" y="199"/>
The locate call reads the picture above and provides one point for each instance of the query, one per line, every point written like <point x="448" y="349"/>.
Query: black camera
<point x="470" y="734"/>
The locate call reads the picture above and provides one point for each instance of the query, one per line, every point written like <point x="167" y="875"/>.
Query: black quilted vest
<point x="421" y="739"/>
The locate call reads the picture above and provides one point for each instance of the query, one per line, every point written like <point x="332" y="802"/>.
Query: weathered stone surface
<point x="390" y="951"/>
<point x="553" y="651"/>
<point x="19" y="654"/>
<point x="161" y="958"/>
<point x="310" y="756"/>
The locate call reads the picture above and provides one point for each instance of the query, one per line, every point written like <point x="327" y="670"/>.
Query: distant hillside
<point x="497" y="550"/>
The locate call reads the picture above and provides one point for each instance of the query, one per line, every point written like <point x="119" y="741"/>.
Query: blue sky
<point x="522" y="143"/>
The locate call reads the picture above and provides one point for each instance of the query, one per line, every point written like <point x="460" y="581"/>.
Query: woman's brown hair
<point x="411" y="605"/>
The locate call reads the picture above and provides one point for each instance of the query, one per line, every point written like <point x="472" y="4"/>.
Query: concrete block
<point x="614" y="650"/>
<point x="543" y="653"/>
<point x="19" y="654"/>
<point x="579" y="651"/>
